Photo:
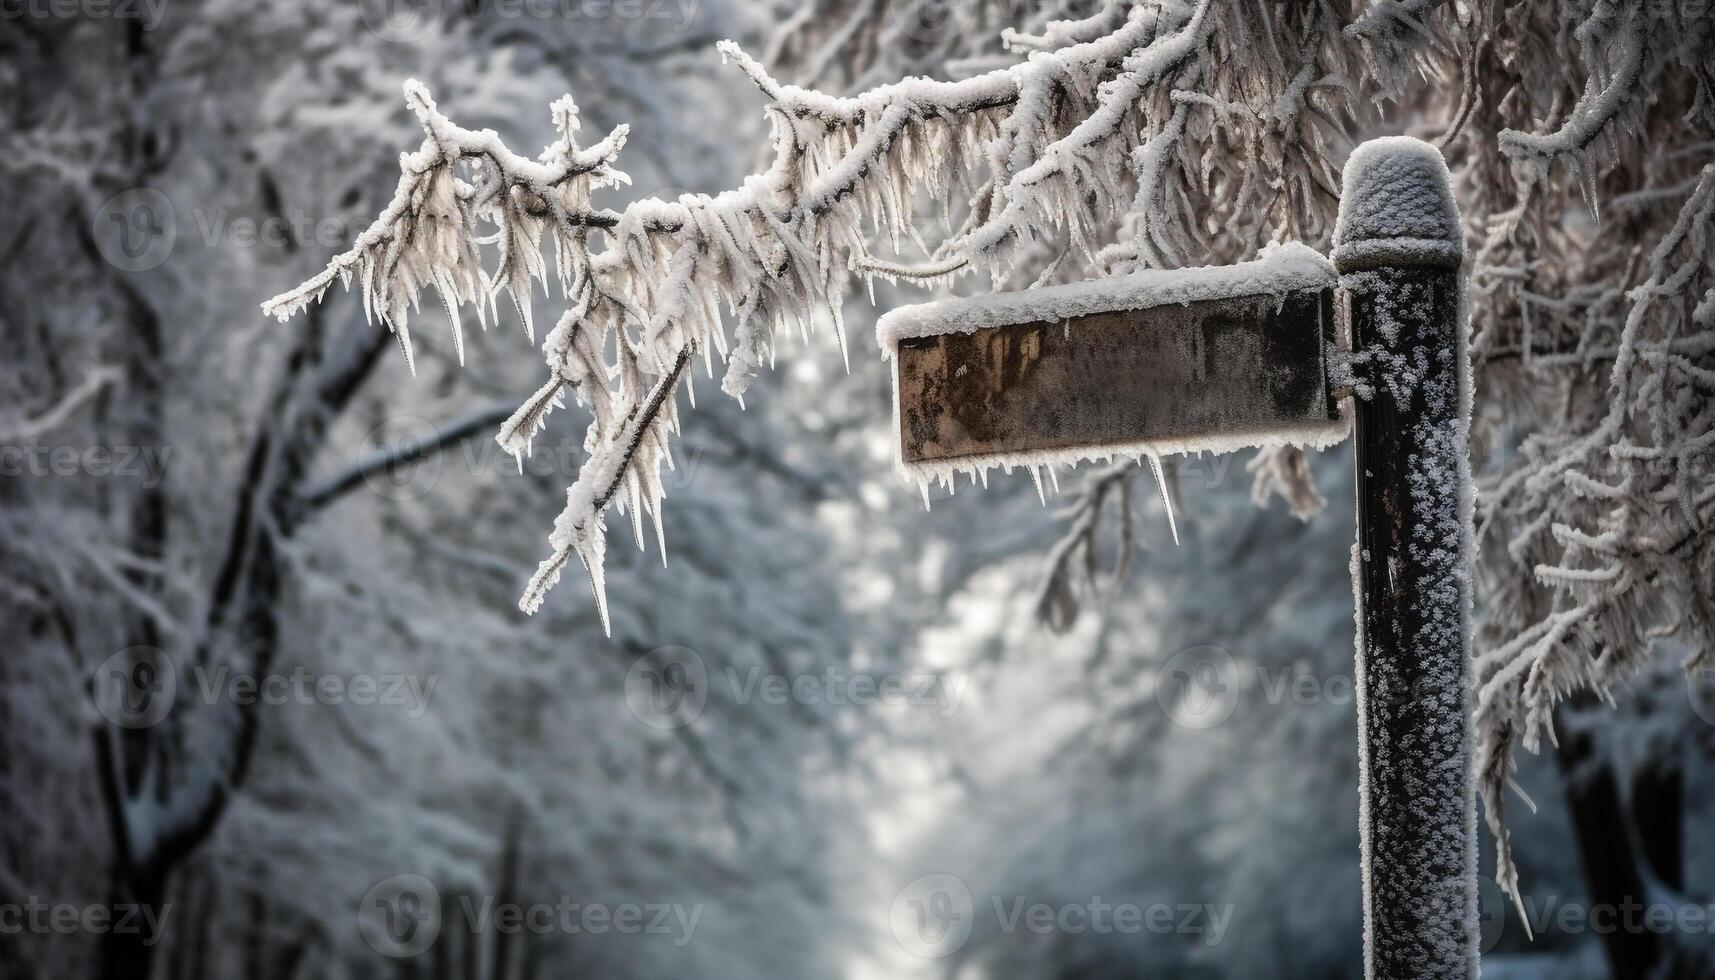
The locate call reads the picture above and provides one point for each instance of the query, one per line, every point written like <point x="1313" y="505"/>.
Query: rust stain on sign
<point x="1244" y="367"/>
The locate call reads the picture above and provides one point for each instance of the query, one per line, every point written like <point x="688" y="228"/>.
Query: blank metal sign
<point x="1213" y="374"/>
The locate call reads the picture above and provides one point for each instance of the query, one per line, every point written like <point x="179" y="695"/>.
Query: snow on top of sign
<point x="1277" y="270"/>
<point x="1397" y="207"/>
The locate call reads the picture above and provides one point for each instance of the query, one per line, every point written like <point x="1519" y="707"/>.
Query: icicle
<point x="1036" y="474"/>
<point x="1166" y="498"/>
<point x="598" y="580"/>
<point x="634" y="496"/>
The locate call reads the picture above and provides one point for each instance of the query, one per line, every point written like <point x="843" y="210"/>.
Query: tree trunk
<point x="1611" y="863"/>
<point x="128" y="955"/>
<point x="1658" y="811"/>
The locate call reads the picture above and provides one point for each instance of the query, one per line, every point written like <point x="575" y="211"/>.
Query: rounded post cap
<point x="1396" y="208"/>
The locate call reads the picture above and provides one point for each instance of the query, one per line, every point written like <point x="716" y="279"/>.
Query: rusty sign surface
<point x="1213" y="373"/>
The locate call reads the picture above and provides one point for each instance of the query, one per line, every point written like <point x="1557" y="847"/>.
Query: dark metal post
<point x="1398" y="250"/>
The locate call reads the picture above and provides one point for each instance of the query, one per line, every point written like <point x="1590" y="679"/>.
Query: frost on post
<point x="1398" y="249"/>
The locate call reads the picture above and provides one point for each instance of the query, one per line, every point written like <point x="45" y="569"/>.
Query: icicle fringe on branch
<point x="1041" y="146"/>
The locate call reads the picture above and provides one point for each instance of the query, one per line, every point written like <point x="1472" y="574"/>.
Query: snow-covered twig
<point x="325" y="490"/>
<point x="34" y="427"/>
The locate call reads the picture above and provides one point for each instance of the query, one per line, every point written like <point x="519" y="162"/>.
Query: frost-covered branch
<point x="1614" y="30"/>
<point x="24" y="429"/>
<point x="667" y="279"/>
<point x="1096" y="119"/>
<point x="1284" y="471"/>
<point x="1607" y="519"/>
<point x="1073" y="561"/>
<point x="330" y="487"/>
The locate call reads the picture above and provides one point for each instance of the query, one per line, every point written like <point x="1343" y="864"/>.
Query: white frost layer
<point x="1396" y="207"/>
<point x="1277" y="270"/>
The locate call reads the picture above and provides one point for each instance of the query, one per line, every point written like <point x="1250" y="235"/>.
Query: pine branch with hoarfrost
<point x="1607" y="516"/>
